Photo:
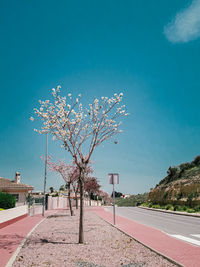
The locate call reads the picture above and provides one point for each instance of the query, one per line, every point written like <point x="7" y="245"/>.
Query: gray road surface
<point x="179" y="226"/>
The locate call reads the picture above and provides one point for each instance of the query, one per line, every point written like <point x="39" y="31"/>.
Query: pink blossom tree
<point x="75" y="178"/>
<point x="80" y="129"/>
<point x="106" y="198"/>
<point x="91" y="186"/>
<point x="67" y="173"/>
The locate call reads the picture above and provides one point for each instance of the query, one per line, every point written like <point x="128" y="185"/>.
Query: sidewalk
<point x="55" y="243"/>
<point x="178" y="251"/>
<point x="12" y="235"/>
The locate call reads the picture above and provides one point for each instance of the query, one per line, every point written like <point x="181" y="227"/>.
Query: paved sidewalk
<point x="12" y="235"/>
<point x="177" y="250"/>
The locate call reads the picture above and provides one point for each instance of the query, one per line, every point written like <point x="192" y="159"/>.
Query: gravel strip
<point x="54" y="243"/>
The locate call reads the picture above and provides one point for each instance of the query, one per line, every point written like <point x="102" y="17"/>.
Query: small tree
<point x="117" y="194"/>
<point x="51" y="189"/>
<point x="105" y="197"/>
<point x="91" y="186"/>
<point x="196" y="160"/>
<point x="62" y="188"/>
<point x="75" y="177"/>
<point x="65" y="171"/>
<point x="80" y="130"/>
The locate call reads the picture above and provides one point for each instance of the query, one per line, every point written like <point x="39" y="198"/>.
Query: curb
<point x="12" y="259"/>
<point x="154" y="250"/>
<point x="6" y="223"/>
<point x="172" y="212"/>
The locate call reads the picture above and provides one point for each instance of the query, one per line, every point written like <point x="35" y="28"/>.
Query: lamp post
<point x="45" y="176"/>
<point x="113" y="179"/>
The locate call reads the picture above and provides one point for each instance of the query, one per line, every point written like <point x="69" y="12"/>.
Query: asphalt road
<point x="182" y="227"/>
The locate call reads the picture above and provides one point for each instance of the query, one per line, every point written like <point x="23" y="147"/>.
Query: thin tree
<point x="91" y="186"/>
<point x="80" y="130"/>
<point x="66" y="171"/>
<point x="75" y="177"/>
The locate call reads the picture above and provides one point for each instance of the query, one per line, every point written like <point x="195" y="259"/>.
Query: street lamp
<point x="45" y="176"/>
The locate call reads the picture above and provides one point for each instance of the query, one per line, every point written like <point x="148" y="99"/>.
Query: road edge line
<point x="14" y="256"/>
<point x="152" y="249"/>
<point x="171" y="212"/>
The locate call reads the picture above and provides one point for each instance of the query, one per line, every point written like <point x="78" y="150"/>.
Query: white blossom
<point x="67" y="121"/>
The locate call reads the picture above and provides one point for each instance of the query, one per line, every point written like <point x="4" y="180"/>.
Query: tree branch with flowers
<point x="80" y="129"/>
<point x="67" y="172"/>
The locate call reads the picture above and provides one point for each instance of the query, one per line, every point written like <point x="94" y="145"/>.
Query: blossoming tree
<point x="80" y="129"/>
<point x="91" y="186"/>
<point x="105" y="197"/>
<point x="75" y="178"/>
<point x="67" y="172"/>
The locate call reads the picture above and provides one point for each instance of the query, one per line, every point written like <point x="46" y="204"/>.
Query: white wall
<point x="6" y="215"/>
<point x="62" y="203"/>
<point x="35" y="209"/>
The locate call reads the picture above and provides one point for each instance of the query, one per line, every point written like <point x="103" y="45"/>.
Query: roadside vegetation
<point x="172" y="207"/>
<point x="180" y="188"/>
<point x="132" y="201"/>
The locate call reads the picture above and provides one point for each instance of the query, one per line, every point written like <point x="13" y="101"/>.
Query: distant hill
<point x="181" y="186"/>
<point x="133" y="200"/>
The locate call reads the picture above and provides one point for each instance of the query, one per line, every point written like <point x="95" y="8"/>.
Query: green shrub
<point x="176" y="208"/>
<point x="169" y="207"/>
<point x="145" y="204"/>
<point x="7" y="201"/>
<point x="184" y="208"/>
<point x="197" y="209"/>
<point x="162" y="207"/>
<point x="150" y="205"/>
<point x="156" y="206"/>
<point x="190" y="210"/>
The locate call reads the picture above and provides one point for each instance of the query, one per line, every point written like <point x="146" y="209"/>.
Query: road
<point x="178" y="226"/>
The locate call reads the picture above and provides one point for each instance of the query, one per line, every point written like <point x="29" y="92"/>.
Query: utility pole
<point x="45" y="176"/>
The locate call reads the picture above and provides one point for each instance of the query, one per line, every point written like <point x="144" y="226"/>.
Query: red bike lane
<point x="176" y="250"/>
<point x="12" y="236"/>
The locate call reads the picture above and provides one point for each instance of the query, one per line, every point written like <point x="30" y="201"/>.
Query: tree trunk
<point x="70" y="202"/>
<point x="76" y="200"/>
<point x="90" y="196"/>
<point x="81" y="236"/>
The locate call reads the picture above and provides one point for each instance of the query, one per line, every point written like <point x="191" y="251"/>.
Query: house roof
<point x="8" y="184"/>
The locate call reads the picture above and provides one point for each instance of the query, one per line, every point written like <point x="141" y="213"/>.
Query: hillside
<point x="133" y="200"/>
<point x="181" y="186"/>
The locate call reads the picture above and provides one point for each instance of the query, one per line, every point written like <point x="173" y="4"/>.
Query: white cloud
<point x="186" y="25"/>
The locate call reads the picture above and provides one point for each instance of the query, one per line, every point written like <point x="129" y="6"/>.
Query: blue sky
<point x="149" y="50"/>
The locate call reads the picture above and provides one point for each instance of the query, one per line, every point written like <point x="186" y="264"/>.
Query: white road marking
<point x="198" y="236"/>
<point x="187" y="239"/>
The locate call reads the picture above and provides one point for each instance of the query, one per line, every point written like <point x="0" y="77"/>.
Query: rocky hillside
<point x="181" y="186"/>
